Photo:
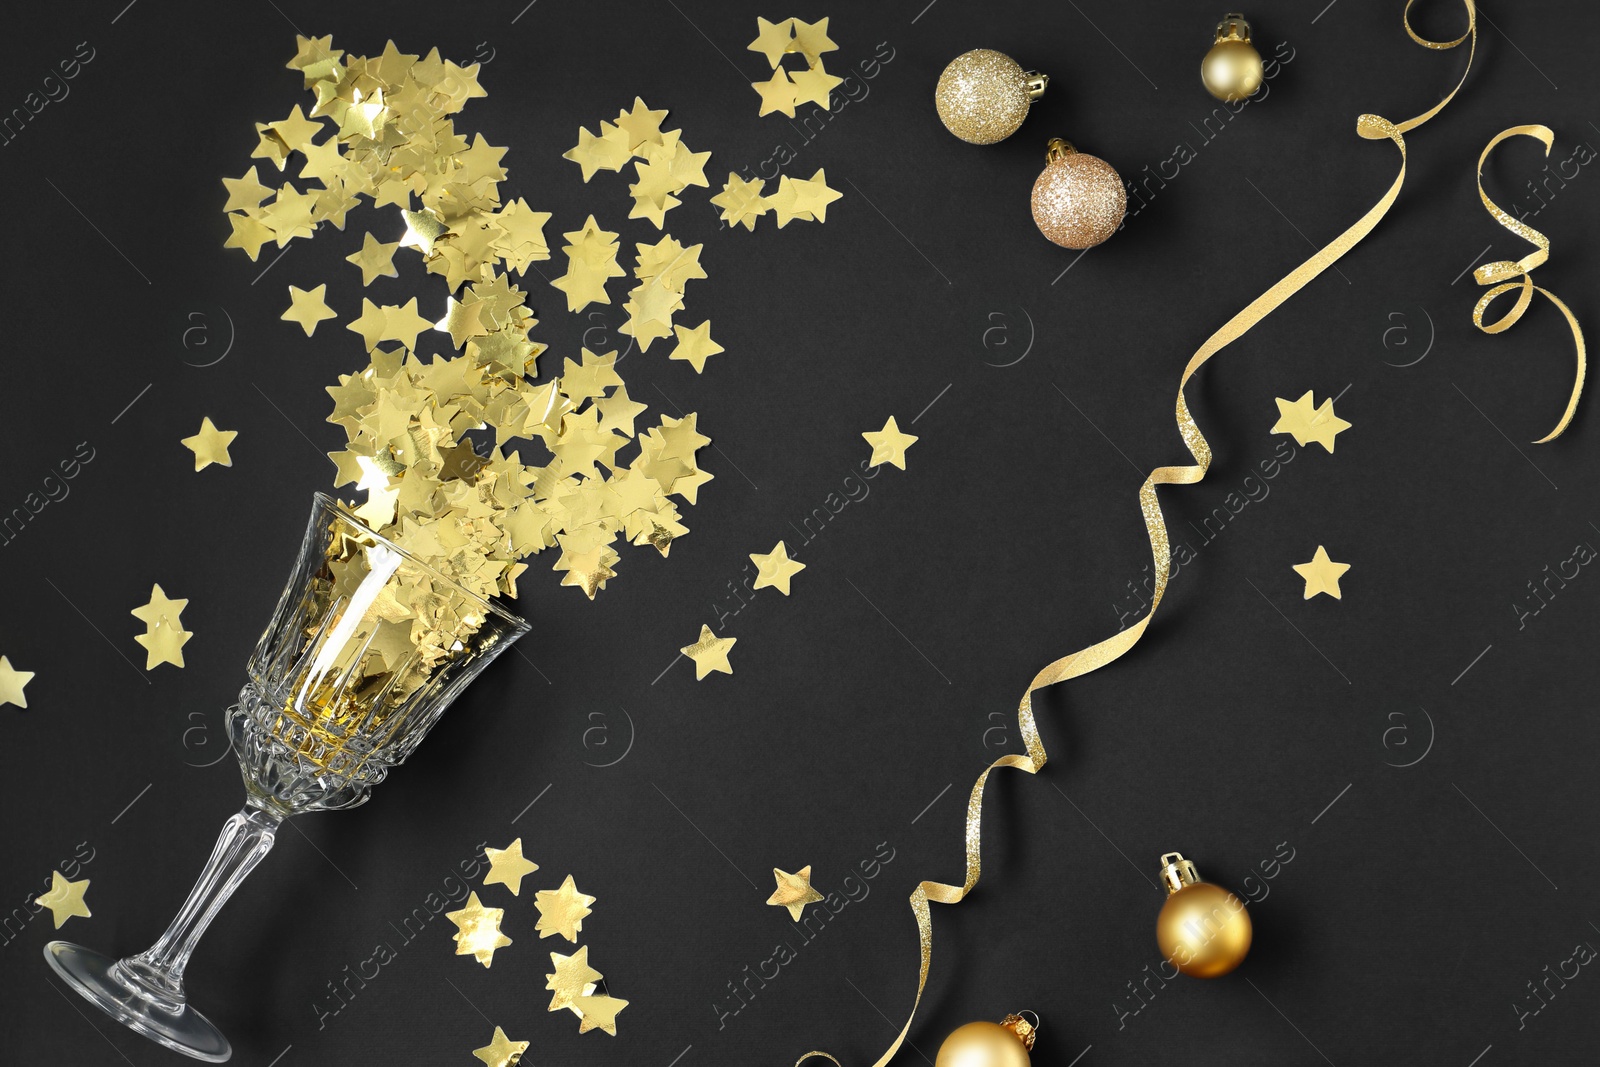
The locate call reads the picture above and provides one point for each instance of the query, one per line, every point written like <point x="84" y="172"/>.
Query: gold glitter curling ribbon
<point x="1073" y="665"/>
<point x="1502" y="270"/>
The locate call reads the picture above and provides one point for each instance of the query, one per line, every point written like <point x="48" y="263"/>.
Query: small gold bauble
<point x="1078" y="199"/>
<point x="1002" y="1044"/>
<point x="1231" y="71"/>
<point x="1203" y="929"/>
<point x="983" y="95"/>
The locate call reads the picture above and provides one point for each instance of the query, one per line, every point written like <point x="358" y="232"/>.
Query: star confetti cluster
<point x="413" y="426"/>
<point x="811" y="84"/>
<point x="164" y="635"/>
<point x="572" y="982"/>
<point x="743" y="201"/>
<point x="663" y="165"/>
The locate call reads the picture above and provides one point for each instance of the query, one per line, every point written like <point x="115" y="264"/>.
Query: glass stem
<point x="245" y="839"/>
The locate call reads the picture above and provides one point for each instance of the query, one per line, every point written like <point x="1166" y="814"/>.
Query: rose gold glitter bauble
<point x="1078" y="200"/>
<point x="983" y="95"/>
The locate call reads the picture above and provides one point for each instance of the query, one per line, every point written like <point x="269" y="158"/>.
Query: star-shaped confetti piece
<point x="609" y="151"/>
<point x="572" y="978"/>
<point x="12" y="682"/>
<point x="64" y="898"/>
<point x="889" y="444"/>
<point x="210" y="445"/>
<point x="478" y="930"/>
<point x="1321" y="574"/>
<point x="741" y="201"/>
<point x="710" y="653"/>
<point x="375" y="259"/>
<point x="1307" y="422"/>
<point x="507" y="867"/>
<point x="794" y="891"/>
<point x="812" y="196"/>
<point x="163" y="644"/>
<point x="159" y="607"/>
<point x="641" y="126"/>
<point x="307" y="307"/>
<point x="773" y="39"/>
<point x="695" y="345"/>
<point x="599" y="1013"/>
<point x="775" y="569"/>
<point x="777" y="94"/>
<point x="562" y="911"/>
<point x="501" y="1051"/>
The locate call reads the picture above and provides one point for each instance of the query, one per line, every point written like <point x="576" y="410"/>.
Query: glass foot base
<point x="95" y="977"/>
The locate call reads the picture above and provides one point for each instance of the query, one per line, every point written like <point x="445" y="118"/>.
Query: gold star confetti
<point x="609" y="151"/>
<point x="507" y="867"/>
<point x="599" y="1013"/>
<point x="159" y="607"/>
<point x="695" y="345"/>
<point x="475" y="507"/>
<point x="478" y="930"/>
<point x="210" y="445"/>
<point x="1308" y="423"/>
<point x="501" y="1051"/>
<point x="562" y="911"/>
<point x="306" y="307"/>
<point x="12" y="682"/>
<point x="64" y="898"/>
<point x="741" y="201"/>
<point x="773" y="40"/>
<point x="572" y="978"/>
<point x="787" y="88"/>
<point x="889" y="445"/>
<point x="375" y="259"/>
<point x="1321" y="574"/>
<point x="163" y="643"/>
<point x="777" y="94"/>
<point x="794" y="891"/>
<point x="710" y="653"/>
<point x="775" y="568"/>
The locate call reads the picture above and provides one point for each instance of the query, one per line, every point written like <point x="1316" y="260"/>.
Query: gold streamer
<point x="1502" y="270"/>
<point x="1370" y="127"/>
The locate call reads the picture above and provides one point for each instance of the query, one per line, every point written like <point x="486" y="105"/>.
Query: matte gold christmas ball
<point x="1231" y="71"/>
<point x="983" y="95"/>
<point x="1203" y="929"/>
<point x="1002" y="1044"/>
<point x="1078" y="199"/>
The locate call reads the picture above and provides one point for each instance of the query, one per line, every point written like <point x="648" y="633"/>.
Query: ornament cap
<point x="1035" y="84"/>
<point x="1233" y="27"/>
<point x="1177" y="872"/>
<point x="1026" y="1031"/>
<point x="1058" y="148"/>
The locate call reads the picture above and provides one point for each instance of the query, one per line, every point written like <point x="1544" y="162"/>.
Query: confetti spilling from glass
<point x="710" y="653"/>
<point x="797" y="199"/>
<point x="164" y="635"/>
<point x="794" y="891"/>
<point x="787" y="88"/>
<point x="889" y="444"/>
<point x="775" y="568"/>
<point x="429" y="442"/>
<point x="64" y="898"/>
<point x="12" y="682"/>
<point x="1322" y="574"/>
<point x="663" y="165"/>
<point x="210" y="445"/>
<point x="1307" y="422"/>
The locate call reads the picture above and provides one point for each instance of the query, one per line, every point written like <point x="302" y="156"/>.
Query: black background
<point x="1417" y="906"/>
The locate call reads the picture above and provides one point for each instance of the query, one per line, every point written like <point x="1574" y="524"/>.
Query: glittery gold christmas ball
<point x="1078" y="199"/>
<point x="983" y="95"/>
<point x="1203" y="929"/>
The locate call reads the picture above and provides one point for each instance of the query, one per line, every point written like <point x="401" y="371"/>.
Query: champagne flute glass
<point x="366" y="648"/>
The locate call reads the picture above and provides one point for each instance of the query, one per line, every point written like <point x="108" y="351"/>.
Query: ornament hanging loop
<point x="1233" y="27"/>
<point x="1027" y="1032"/>
<point x="1036" y="84"/>
<point x="1058" y="148"/>
<point x="1177" y="872"/>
